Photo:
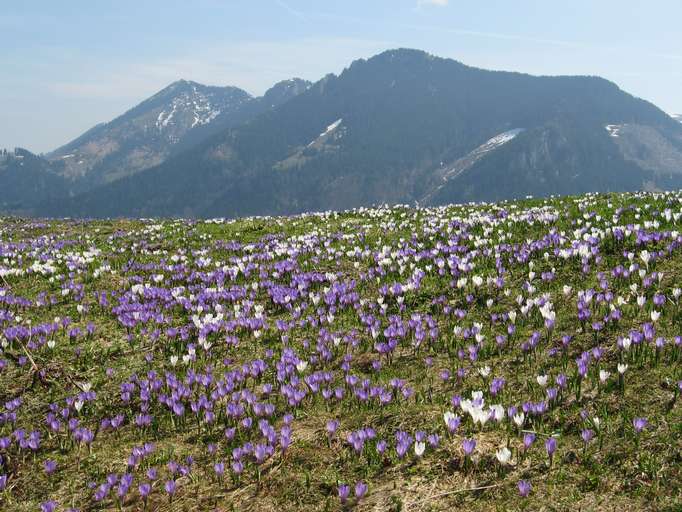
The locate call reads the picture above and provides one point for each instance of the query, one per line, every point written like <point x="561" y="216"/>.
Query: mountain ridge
<point x="400" y="127"/>
<point x="145" y="135"/>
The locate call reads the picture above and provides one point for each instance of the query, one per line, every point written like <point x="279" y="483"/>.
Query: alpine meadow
<point x="359" y="256"/>
<point x="492" y="357"/>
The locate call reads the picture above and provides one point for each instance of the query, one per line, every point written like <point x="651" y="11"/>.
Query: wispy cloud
<point x="437" y="3"/>
<point x="294" y="12"/>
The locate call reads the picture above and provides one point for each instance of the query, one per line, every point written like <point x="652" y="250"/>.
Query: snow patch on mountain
<point x="460" y="165"/>
<point x="193" y="103"/>
<point x="614" y="129"/>
<point x="327" y="131"/>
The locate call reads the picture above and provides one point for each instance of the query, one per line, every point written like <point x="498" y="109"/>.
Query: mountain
<point x="279" y="93"/>
<point x="402" y="127"/>
<point x="677" y="117"/>
<point x="174" y="119"/>
<point x="143" y="136"/>
<point x="27" y="180"/>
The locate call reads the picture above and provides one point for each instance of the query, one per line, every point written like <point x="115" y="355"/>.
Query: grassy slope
<point x="637" y="472"/>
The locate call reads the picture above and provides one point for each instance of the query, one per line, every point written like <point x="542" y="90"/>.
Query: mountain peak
<point x="406" y="56"/>
<point x="285" y="90"/>
<point x="144" y="135"/>
<point x="403" y="53"/>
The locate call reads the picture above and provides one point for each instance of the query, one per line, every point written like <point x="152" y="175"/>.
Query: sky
<point x="66" y="66"/>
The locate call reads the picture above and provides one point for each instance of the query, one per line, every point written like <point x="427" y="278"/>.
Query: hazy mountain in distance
<point x="143" y="136"/>
<point x="174" y="119"/>
<point x="405" y="126"/>
<point x="27" y="180"/>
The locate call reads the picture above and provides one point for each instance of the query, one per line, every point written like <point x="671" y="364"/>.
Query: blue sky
<point x="68" y="65"/>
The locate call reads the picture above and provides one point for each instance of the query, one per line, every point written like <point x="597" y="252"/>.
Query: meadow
<point x="515" y="356"/>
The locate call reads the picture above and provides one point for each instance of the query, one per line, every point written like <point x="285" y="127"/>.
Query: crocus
<point x="550" y="446"/>
<point x="468" y="445"/>
<point x="360" y="489"/>
<point x="503" y="455"/>
<point x="344" y="492"/>
<point x="145" y="489"/>
<point x="587" y="435"/>
<point x="639" y="424"/>
<point x="50" y="466"/>
<point x="170" y="487"/>
<point x="524" y="488"/>
<point x="332" y="425"/>
<point x="48" y="506"/>
<point x="519" y="418"/>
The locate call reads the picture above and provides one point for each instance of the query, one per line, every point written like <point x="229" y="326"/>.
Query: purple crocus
<point x="332" y="425"/>
<point x="145" y="489"/>
<point x="640" y="424"/>
<point x="360" y="489"/>
<point x="524" y="488"/>
<point x="50" y="466"/>
<point x="237" y="467"/>
<point x="344" y="492"/>
<point x="550" y="446"/>
<point x="170" y="487"/>
<point x="381" y="446"/>
<point x="468" y="445"/>
<point x="587" y="435"/>
<point x="48" y="506"/>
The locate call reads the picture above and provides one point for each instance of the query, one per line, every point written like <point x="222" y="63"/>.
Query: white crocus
<point x="645" y="257"/>
<point x="519" y="418"/>
<point x="503" y="455"/>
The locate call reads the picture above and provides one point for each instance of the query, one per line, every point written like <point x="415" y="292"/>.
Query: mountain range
<point x="403" y="126"/>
